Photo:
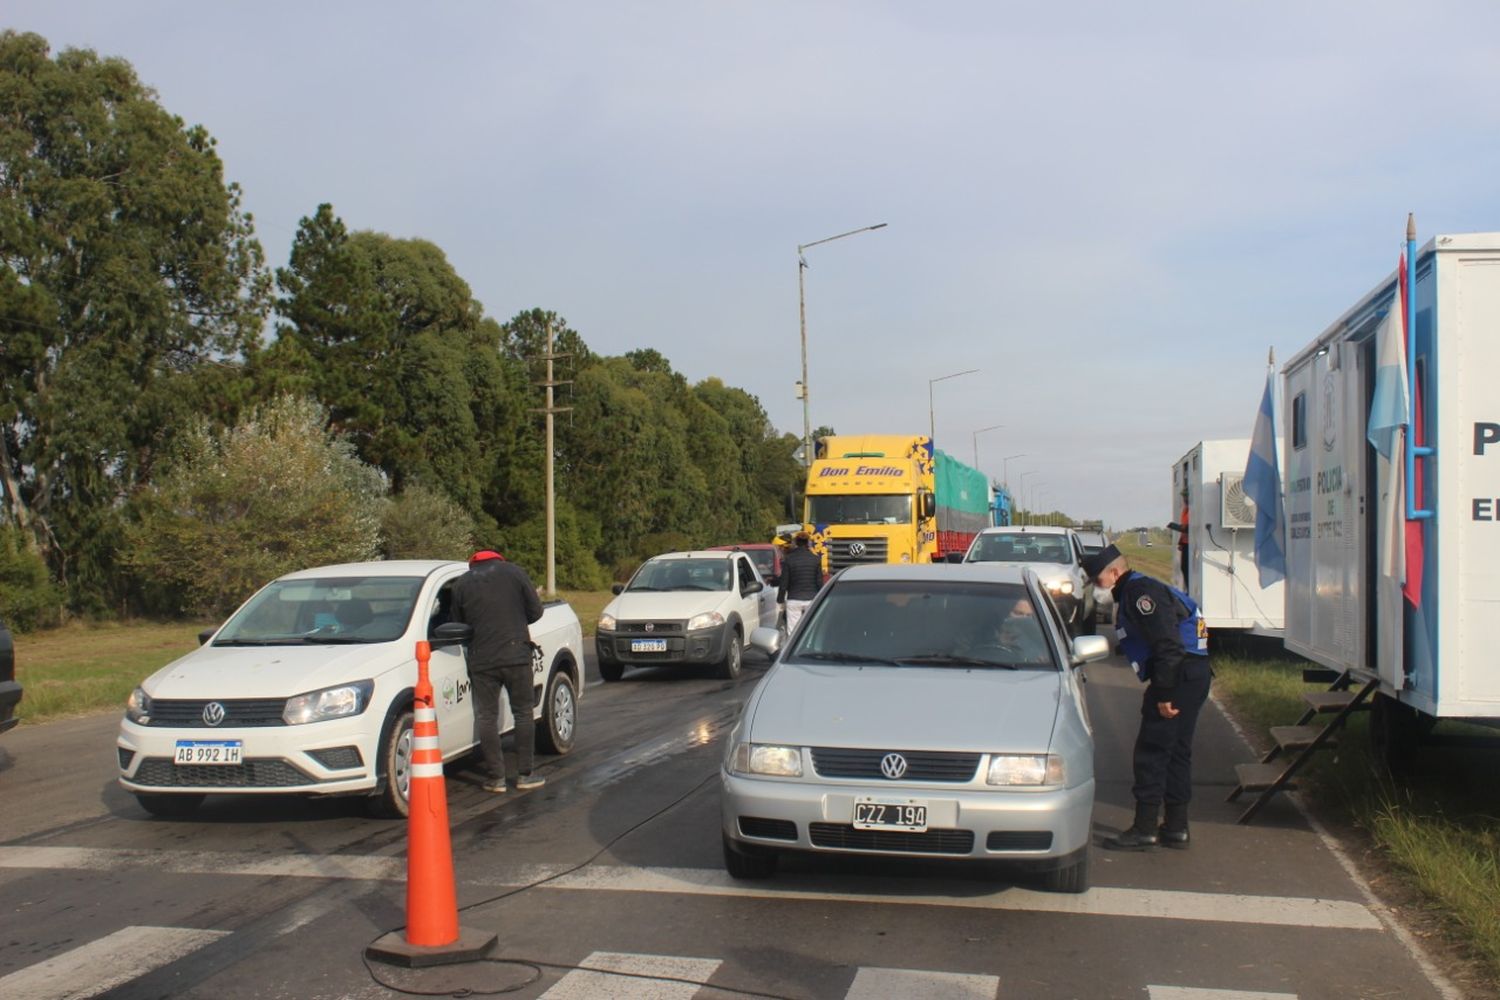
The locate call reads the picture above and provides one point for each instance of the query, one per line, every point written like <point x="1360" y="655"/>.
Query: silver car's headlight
<point x="1026" y="769"/>
<point x="138" y="707"/>
<point x="1060" y="586"/>
<point x="709" y="619"/>
<point x="606" y="623"/>
<point x="330" y="703"/>
<point x="762" y="758"/>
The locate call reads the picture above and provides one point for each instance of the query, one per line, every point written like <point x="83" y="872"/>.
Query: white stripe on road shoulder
<point x="882" y="984"/>
<point x="582" y="985"/>
<point x="1194" y="993"/>
<point x="101" y="965"/>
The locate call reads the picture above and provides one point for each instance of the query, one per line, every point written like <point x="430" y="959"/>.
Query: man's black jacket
<point x="801" y="575"/>
<point x="498" y="600"/>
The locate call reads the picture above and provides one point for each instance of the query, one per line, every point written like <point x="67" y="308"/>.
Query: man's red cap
<point x="484" y="554"/>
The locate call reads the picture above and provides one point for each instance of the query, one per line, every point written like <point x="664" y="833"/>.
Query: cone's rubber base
<point x="471" y="946"/>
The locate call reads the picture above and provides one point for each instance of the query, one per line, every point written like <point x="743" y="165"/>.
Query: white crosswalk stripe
<point x="1194" y="993"/>
<point x="582" y="985"/>
<point x="99" y="966"/>
<point x="903" y="984"/>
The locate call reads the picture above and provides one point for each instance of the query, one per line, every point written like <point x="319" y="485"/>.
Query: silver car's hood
<point x="907" y="708"/>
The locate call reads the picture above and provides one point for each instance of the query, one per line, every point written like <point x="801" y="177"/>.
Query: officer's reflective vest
<point x="1192" y="631"/>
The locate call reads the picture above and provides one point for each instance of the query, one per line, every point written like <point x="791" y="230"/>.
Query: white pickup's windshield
<point x="1020" y="547"/>
<point x="324" y="610"/>
<point x="924" y="624"/>
<point x="681" y="574"/>
<point x="859" y="509"/>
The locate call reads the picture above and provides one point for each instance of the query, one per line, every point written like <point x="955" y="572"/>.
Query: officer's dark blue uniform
<point x="1163" y="635"/>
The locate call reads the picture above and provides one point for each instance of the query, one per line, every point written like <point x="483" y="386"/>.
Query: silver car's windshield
<point x="859" y="509"/>
<point x="1020" y="547"/>
<point x="924" y="623"/>
<point x="681" y="574"/>
<point x="333" y="610"/>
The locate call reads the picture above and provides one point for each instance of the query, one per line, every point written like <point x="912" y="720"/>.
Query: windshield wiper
<point x="944" y="660"/>
<point x="838" y="656"/>
<point x="290" y="640"/>
<point x="336" y="640"/>
<point x="636" y="589"/>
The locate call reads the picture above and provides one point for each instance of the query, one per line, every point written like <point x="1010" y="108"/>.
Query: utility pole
<point x="551" y="411"/>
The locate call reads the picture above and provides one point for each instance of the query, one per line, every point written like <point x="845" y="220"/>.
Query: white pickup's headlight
<point x="709" y="619"/>
<point x="606" y="622"/>
<point x="138" y="707"/>
<point x="330" y="703"/>
<point x="1026" y="769"/>
<point x="1060" y="586"/>
<point x="761" y="758"/>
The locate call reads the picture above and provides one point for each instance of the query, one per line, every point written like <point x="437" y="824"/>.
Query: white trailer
<point x="1222" y="573"/>
<point x="1435" y="659"/>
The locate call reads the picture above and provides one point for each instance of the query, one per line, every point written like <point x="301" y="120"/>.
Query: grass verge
<point x="1436" y="824"/>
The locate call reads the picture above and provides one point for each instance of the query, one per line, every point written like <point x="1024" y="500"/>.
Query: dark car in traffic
<point x="10" y="688"/>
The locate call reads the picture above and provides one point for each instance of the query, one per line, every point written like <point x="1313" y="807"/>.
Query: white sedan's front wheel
<point x="559" y="715"/>
<point x="391" y="801"/>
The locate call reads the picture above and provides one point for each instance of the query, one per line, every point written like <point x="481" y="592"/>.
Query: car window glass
<point x="343" y="609"/>
<point x="682" y="574"/>
<point x="1020" y="547"/>
<point x="440" y="610"/>
<point x="1056" y="616"/>
<point x="747" y="572"/>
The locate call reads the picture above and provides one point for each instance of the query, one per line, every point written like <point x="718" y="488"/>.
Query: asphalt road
<point x="277" y="897"/>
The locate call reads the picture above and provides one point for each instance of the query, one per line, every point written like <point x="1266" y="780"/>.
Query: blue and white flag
<point x="1263" y="487"/>
<point x="1390" y="408"/>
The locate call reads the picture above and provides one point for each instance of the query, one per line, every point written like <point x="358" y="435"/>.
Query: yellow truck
<point x="886" y="498"/>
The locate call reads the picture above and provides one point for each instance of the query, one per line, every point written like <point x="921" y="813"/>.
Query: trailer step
<point x="1335" y="701"/>
<point x="1301" y="737"/>
<point x="1259" y="777"/>
<point x="1320" y="675"/>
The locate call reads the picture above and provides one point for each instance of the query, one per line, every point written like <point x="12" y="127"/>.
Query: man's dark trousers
<point x="1164" y="747"/>
<point x="516" y="680"/>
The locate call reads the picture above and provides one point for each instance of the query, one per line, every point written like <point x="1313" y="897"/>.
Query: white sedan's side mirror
<point x="767" y="640"/>
<point x="1087" y="648"/>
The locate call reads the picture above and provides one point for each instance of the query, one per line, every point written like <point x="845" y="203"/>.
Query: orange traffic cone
<point x="433" y="936"/>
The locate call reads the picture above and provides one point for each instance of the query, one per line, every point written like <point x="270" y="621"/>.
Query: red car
<point x="765" y="555"/>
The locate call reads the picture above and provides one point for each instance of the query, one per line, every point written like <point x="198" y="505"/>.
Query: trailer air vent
<point x="1239" y="509"/>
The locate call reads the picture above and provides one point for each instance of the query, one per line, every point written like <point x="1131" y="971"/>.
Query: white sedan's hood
<point x="908" y="708"/>
<point x="665" y="605"/>
<point x="272" y="671"/>
<point x="1050" y="571"/>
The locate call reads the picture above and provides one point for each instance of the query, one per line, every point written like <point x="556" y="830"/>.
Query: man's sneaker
<point x="495" y="785"/>
<point x="526" y="781"/>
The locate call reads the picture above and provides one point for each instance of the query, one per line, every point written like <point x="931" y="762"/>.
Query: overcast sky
<point x="1111" y="210"/>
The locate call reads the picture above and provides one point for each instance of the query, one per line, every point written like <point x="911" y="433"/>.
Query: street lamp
<point x="931" y="426"/>
<point x="992" y="427"/>
<point x="1021" y="493"/>
<point x="1037" y="489"/>
<point x="1005" y="476"/>
<point x="802" y="316"/>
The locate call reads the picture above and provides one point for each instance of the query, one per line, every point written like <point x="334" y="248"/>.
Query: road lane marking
<point x="99" y="966"/>
<point x="1194" y="993"/>
<point x="581" y="985"/>
<point x="882" y="984"/>
<point x="1165" y="904"/>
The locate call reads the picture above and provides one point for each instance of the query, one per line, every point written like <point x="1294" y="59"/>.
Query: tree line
<point x="179" y="421"/>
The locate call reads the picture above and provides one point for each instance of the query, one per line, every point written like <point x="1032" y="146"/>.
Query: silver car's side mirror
<point x="1087" y="648"/>
<point x="767" y="640"/>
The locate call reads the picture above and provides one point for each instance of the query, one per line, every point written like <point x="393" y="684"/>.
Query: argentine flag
<point x="1263" y="486"/>
<point x="1389" y="410"/>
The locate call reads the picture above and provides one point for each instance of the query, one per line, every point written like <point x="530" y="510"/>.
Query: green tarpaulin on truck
<point x="963" y="496"/>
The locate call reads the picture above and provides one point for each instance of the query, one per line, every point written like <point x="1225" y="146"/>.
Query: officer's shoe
<point x="1140" y="835"/>
<point x="1173" y="838"/>
<point x="1174" y="827"/>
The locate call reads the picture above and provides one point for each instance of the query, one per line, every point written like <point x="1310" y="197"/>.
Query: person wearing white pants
<point x="801" y="578"/>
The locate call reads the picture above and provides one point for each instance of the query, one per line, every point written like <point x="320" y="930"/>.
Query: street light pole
<point x="1022" y="491"/>
<point x="1006" y="467"/>
<point x="802" y="320"/>
<point x="992" y="427"/>
<point x="931" y="422"/>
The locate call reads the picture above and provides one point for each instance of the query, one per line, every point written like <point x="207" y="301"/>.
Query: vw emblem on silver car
<point x="856" y="548"/>
<point x="893" y="765"/>
<point x="213" y="714"/>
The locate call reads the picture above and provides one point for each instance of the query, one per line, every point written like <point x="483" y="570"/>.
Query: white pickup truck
<point x="308" y="688"/>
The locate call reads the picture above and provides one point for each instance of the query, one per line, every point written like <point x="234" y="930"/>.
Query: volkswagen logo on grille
<point x="893" y="765"/>
<point x="213" y="714"/>
<point x="650" y="626"/>
<point x="856" y="548"/>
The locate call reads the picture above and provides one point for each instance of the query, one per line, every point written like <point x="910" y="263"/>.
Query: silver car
<point x="928" y="711"/>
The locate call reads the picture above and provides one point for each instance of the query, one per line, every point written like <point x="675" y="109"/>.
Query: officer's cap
<point x="1097" y="563"/>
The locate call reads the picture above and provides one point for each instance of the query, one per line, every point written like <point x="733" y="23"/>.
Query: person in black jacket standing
<point x="497" y="600"/>
<point x="801" y="578"/>
<point x="1163" y="636"/>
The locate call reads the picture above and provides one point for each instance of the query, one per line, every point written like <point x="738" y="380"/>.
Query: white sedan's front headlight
<point x="709" y="619"/>
<point x="763" y="758"/>
<point x="606" y="622"/>
<point x="1060" y="586"/>
<point x="1026" y="769"/>
<point x="330" y="703"/>
<point x="138" y="707"/>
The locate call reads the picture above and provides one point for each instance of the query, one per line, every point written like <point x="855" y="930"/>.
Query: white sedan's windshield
<point x="324" y="610"/>
<point x="925" y="623"/>
<point x="1020" y="547"/>
<point x="682" y="574"/>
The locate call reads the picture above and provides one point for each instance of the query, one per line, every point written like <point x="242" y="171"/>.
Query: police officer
<point x="1163" y="635"/>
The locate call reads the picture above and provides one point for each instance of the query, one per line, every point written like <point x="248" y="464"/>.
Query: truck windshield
<point x="332" y="609"/>
<point x="925" y="624"/>
<point x="1020" y="547"/>
<point x="860" y="509"/>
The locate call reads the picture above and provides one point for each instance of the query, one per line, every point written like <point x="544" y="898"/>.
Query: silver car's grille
<point x="256" y="772"/>
<point x="920" y="765"/>
<point x="238" y="712"/>
<point x="844" y="552"/>
<point x="840" y="836"/>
